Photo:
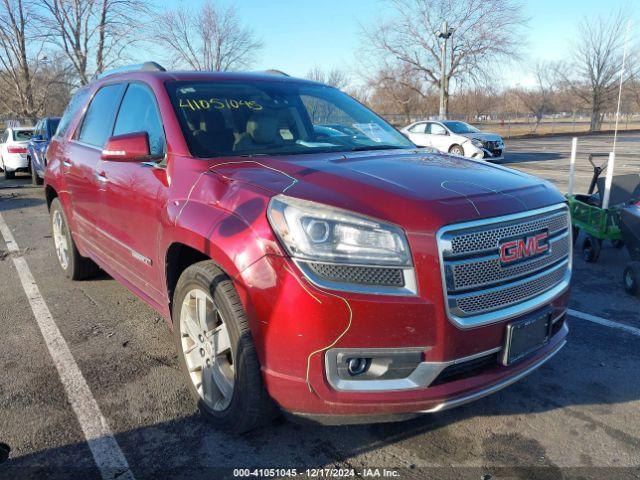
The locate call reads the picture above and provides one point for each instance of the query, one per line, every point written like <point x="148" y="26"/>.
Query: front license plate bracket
<point x="524" y="337"/>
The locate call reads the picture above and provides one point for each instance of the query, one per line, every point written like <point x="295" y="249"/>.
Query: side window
<point x="97" y="123"/>
<point x="139" y="113"/>
<point x="75" y="105"/>
<point x="437" y="129"/>
<point x="418" y="128"/>
<point x="38" y="128"/>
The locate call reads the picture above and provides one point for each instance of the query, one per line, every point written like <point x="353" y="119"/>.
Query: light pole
<point x="444" y="33"/>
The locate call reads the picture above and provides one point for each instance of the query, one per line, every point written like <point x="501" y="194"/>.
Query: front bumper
<point x="296" y="325"/>
<point x="444" y="403"/>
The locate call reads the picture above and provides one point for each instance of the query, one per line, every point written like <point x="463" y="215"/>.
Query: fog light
<point x="358" y="366"/>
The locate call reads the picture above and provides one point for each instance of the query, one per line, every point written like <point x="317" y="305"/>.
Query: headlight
<point x="312" y="231"/>
<point x="477" y="143"/>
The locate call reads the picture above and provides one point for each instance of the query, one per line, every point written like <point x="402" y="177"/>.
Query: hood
<point x="417" y="190"/>
<point x="485" y="137"/>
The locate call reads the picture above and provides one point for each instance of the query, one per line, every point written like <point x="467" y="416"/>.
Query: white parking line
<point x="104" y="447"/>
<point x="603" y="321"/>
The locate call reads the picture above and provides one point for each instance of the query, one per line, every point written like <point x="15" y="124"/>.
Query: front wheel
<point x="74" y="265"/>
<point x="216" y="351"/>
<point x="456" y="150"/>
<point x="631" y="279"/>
<point x="35" y="179"/>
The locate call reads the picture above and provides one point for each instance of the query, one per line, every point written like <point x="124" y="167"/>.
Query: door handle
<point x="101" y="177"/>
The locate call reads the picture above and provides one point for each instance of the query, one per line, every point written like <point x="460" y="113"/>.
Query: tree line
<point x="48" y="48"/>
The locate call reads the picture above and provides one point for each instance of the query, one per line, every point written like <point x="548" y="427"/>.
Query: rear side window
<point x="75" y="105"/>
<point x="139" y="113"/>
<point x="97" y="123"/>
<point x="418" y="128"/>
<point x="22" y="135"/>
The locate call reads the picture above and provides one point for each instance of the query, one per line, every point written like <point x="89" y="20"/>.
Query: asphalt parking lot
<point x="578" y="416"/>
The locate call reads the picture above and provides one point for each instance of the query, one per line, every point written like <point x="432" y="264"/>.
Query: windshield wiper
<point x="374" y="147"/>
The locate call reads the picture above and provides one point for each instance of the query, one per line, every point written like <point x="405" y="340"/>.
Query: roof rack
<point x="273" y="71"/>
<point x="138" y="67"/>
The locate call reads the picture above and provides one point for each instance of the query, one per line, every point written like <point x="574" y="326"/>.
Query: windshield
<point x="276" y="118"/>
<point x="22" y="135"/>
<point x="460" y="127"/>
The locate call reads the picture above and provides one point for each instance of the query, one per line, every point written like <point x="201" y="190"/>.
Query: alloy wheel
<point x="60" y="239"/>
<point x="207" y="351"/>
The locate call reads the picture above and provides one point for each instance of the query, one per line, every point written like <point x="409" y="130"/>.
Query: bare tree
<point x="539" y="99"/>
<point x="335" y="77"/>
<point x="209" y="38"/>
<point x="19" y="57"/>
<point x="396" y="91"/>
<point x="93" y="34"/>
<point x="597" y="60"/>
<point x="486" y="34"/>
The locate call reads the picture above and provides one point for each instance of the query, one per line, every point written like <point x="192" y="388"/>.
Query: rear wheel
<point x="631" y="279"/>
<point x="456" y="150"/>
<point x="216" y="350"/>
<point x="74" y="265"/>
<point x="9" y="175"/>
<point x="591" y="247"/>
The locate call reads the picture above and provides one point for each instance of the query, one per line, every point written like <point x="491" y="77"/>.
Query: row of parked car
<point x="22" y="149"/>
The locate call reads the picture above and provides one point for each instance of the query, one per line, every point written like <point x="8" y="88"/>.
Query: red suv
<point x="308" y="257"/>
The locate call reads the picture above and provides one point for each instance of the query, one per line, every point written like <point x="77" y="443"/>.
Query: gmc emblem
<point x="523" y="248"/>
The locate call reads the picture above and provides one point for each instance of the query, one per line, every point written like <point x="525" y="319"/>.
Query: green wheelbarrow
<point x="598" y="223"/>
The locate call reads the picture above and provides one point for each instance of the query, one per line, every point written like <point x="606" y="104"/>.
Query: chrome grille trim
<point x="485" y="240"/>
<point x="506" y="295"/>
<point x="468" y="274"/>
<point x="478" y="291"/>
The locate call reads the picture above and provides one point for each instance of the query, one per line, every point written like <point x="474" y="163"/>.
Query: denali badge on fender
<point x="517" y="249"/>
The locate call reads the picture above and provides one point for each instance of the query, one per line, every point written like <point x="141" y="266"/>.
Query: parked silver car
<point x="457" y="138"/>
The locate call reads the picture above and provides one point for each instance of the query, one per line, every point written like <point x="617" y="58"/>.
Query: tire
<point x="631" y="279"/>
<point x="9" y="175"/>
<point x="248" y="405"/>
<point x="456" y="150"/>
<point x="35" y="179"/>
<point x="74" y="265"/>
<point x="591" y="247"/>
<point x="618" y="244"/>
<point x="575" y="231"/>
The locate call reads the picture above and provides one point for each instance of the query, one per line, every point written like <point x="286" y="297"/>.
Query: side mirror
<point x="130" y="147"/>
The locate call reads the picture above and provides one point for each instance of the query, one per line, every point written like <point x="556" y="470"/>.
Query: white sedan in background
<point x="457" y="138"/>
<point x="13" y="150"/>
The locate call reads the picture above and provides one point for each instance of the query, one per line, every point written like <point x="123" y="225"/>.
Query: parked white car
<point x="457" y="138"/>
<point x="13" y="150"/>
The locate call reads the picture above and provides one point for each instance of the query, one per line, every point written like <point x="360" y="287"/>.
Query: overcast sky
<point x="299" y="34"/>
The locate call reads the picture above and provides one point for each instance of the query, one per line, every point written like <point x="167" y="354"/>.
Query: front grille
<point x="467" y="274"/>
<point x="388" y="277"/>
<point x="484" y="238"/>
<point x="477" y="283"/>
<point x="487" y="301"/>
